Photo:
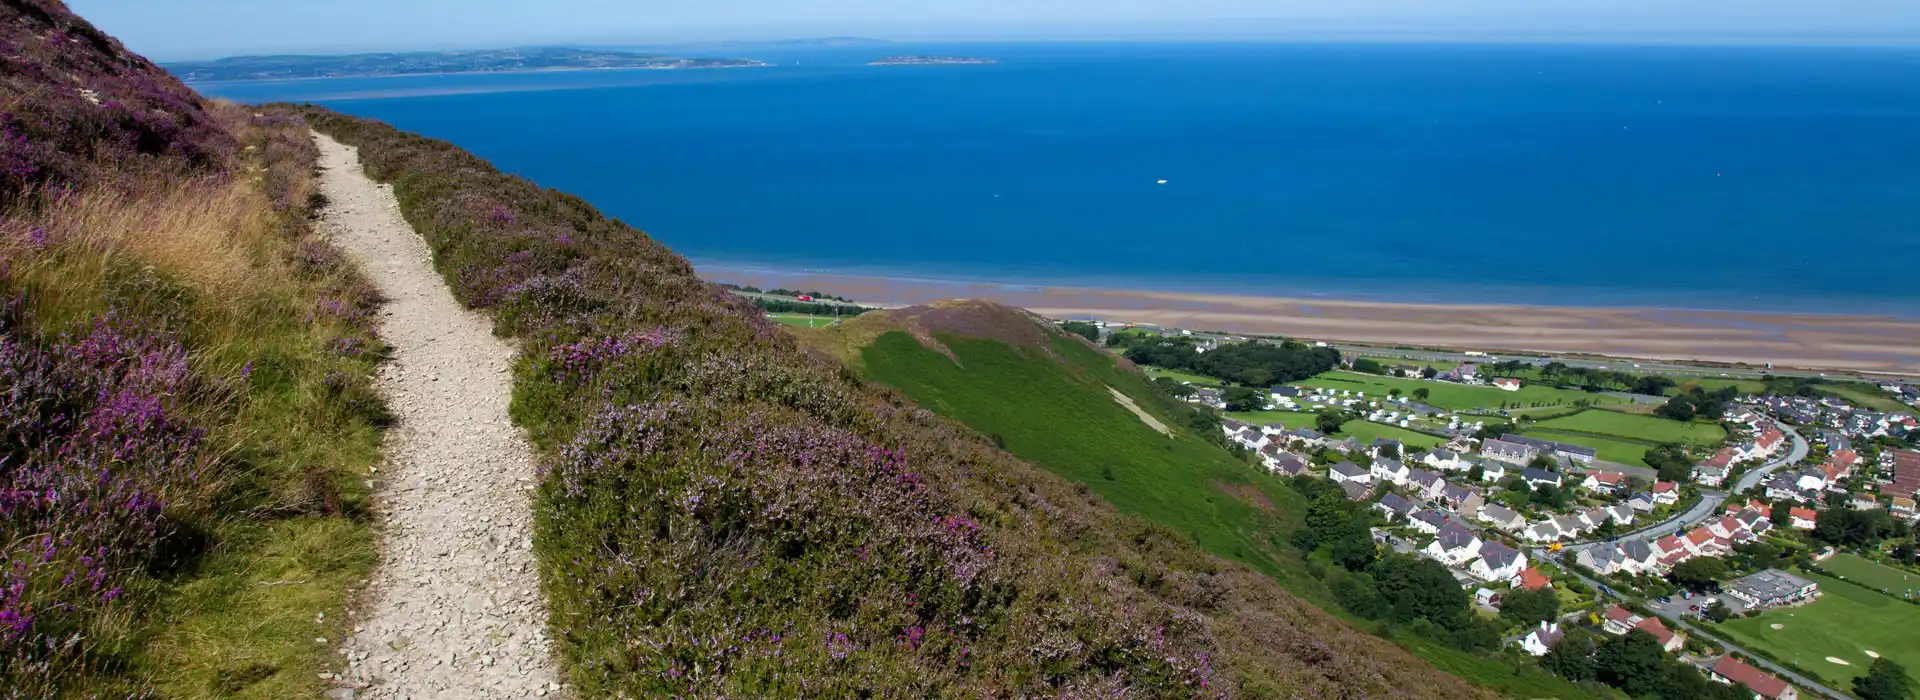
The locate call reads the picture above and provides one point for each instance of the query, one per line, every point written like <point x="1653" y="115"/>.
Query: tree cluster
<point x="1697" y="402"/>
<point x="1671" y="461"/>
<point x="1845" y="527"/>
<point x="783" y="306"/>
<point x="1252" y="363"/>
<point x="1083" y="329"/>
<point x="1636" y="665"/>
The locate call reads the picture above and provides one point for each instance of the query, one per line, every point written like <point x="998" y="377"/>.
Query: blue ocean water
<point x="1780" y="178"/>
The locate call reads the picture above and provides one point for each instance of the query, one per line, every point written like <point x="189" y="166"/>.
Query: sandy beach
<point x="1851" y="343"/>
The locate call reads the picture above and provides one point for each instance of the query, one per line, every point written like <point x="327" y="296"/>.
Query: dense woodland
<point x="1250" y="363"/>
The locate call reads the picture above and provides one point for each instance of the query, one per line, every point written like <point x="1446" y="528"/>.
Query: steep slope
<point x="185" y="371"/>
<point x="724" y="515"/>
<point x="1049" y="398"/>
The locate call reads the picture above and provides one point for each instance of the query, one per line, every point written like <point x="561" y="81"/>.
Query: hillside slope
<point x="725" y="515"/>
<point x="185" y="384"/>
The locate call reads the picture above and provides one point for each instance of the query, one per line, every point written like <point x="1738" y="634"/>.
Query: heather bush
<point x="723" y="514"/>
<point x="176" y="417"/>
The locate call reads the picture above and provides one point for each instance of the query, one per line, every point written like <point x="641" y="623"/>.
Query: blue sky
<point x="186" y="29"/>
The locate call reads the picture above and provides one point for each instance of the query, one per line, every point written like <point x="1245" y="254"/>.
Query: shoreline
<point x="1832" y="342"/>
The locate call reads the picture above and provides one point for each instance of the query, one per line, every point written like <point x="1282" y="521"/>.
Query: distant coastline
<point x="933" y="61"/>
<point x="1830" y="342"/>
<point x="245" y="69"/>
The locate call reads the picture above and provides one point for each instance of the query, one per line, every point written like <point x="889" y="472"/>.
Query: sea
<point x="1776" y="178"/>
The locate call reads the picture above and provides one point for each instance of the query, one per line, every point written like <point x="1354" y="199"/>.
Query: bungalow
<point x="1713" y="471"/>
<point x="1346" y="472"/>
<point x="1428" y="521"/>
<point x="1702" y="542"/>
<point x="1596" y="515"/>
<point x="1502" y="517"/>
<point x="1670" y="641"/>
<point x="1306" y="436"/>
<point x="1666" y="493"/>
<point x="1509" y="452"/>
<point x="1530" y="579"/>
<point x="1355" y="491"/>
<point x="1455" y="545"/>
<point x="1604" y="482"/>
<point x="1497" y="562"/>
<point x="1576" y="453"/>
<point x="1754" y="520"/>
<point x="1447" y="460"/>
<point x="1743" y="415"/>
<point x="1570" y="526"/>
<point x="1785" y="487"/>
<point x="1542" y="639"/>
<point x="1671" y="544"/>
<point x="1466" y="372"/>
<point x="1618" y="620"/>
<point x="1604" y="559"/>
<point x="1491" y="471"/>
<point x="1345" y="446"/>
<point x="1803" y="518"/>
<point x="1639" y="556"/>
<point x="1541" y="477"/>
<point x="1543" y="531"/>
<point x="1622" y="514"/>
<point x="1901" y="507"/>
<point x="1642" y="502"/>
<point x="1507" y="384"/>
<point x="1288" y="464"/>
<point x="1772" y="588"/>
<point x="1733" y="671"/>
<point x="1392" y="506"/>
<point x="1389" y="471"/>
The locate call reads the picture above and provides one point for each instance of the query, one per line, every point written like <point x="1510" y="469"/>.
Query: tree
<point x="1885" y="680"/>
<point x="1393" y="393"/>
<point x="1083" y="329"/>
<point x="1174" y="387"/>
<point x="1542" y="462"/>
<point x="1390" y="451"/>
<point x="1428" y="373"/>
<point x="1779" y="514"/>
<point x="1699" y="574"/>
<point x="1652" y="385"/>
<point x="1528" y="608"/>
<point x="1572" y="658"/>
<point x="1369" y="366"/>
<point x="1418" y="587"/>
<point x="1632" y="663"/>
<point x="1240" y="398"/>
<point x="1421" y="394"/>
<point x="1853" y="528"/>
<point x="1717" y="611"/>
<point x="1329" y="422"/>
<point x="1671" y="461"/>
<point x="1477" y="473"/>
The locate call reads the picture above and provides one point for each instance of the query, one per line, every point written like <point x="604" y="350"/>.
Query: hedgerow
<point x="723" y="514"/>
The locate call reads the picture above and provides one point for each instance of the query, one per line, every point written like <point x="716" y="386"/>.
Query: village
<point x="1712" y="547"/>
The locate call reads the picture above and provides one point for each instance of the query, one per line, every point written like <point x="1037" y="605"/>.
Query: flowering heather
<point x="724" y="515"/>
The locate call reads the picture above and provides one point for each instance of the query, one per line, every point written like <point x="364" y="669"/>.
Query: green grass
<point x="1651" y="429"/>
<point x="1844" y="623"/>
<point x="1455" y="397"/>
<point x="1866" y="396"/>
<point x="1617" y="451"/>
<point x="1175" y="374"/>
<point x="1292" y="419"/>
<point x="802" y="320"/>
<point x="1872" y="574"/>
<point x="1058" y="414"/>
<point x="1744" y="386"/>
<point x="1517" y="680"/>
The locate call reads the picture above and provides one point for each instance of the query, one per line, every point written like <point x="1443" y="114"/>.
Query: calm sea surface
<point x="1746" y="178"/>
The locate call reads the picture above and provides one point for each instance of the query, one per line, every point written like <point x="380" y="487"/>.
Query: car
<point x="1693" y="608"/>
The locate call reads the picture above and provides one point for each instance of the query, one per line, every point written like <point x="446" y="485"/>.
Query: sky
<point x="199" y="29"/>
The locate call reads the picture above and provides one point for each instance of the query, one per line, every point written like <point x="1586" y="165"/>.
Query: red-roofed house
<point x="1507" y="384"/>
<point x="1730" y="670"/>
<point x="1768" y="443"/>
<point x="1802" y="518"/>
<point x="1666" y="493"/>
<point x="1605" y="482"/>
<point x="1531" y="579"/>
<point x="1669" y="639"/>
<point x="1845" y="460"/>
<point x="1618" y="620"/>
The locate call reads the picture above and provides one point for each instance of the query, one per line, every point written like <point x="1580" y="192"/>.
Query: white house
<point x="1491" y="471"/>
<point x="1542" y="639"/>
<point x="1389" y="471"/>
<point x="1345" y="472"/>
<point x="1497" y="562"/>
<point x="1502" y="517"/>
<point x="1666" y="493"/>
<point x="1507" y="384"/>
<point x="1543" y="531"/>
<point x="1455" y="545"/>
<point x="1427" y="521"/>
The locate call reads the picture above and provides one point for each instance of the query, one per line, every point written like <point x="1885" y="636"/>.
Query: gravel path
<point x="454" y="609"/>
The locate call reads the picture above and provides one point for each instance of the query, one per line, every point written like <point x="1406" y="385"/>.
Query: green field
<point x="1187" y="377"/>
<point x="1866" y="396"/>
<point x="1618" y="451"/>
<point x="1744" y="386"/>
<point x="1633" y="427"/>
<point x="1845" y="623"/>
<point x="1058" y="414"/>
<point x="802" y="320"/>
<point x="1873" y="574"/>
<point x="1364" y="431"/>
<point x="1455" y="397"/>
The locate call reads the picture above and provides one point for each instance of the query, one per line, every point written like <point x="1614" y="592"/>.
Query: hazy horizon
<point x="181" y="30"/>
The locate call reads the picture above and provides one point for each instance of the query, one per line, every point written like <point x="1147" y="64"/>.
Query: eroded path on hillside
<point x="454" y="609"/>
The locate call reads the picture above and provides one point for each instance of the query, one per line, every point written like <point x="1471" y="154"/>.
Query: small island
<point x="933" y="61"/>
